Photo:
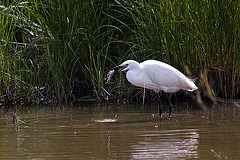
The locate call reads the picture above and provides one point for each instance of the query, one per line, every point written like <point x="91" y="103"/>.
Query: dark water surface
<point x="93" y="131"/>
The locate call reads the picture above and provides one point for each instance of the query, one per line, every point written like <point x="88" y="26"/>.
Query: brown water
<point x="91" y="131"/>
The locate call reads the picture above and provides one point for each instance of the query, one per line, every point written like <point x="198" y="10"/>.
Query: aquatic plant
<point x="219" y="155"/>
<point x="58" y="50"/>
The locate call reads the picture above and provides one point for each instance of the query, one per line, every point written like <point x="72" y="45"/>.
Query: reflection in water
<point x="167" y="144"/>
<point x="93" y="132"/>
<point x="106" y="120"/>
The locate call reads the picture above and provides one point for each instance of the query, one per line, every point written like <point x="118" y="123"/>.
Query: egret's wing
<point x="162" y="74"/>
<point x="165" y="77"/>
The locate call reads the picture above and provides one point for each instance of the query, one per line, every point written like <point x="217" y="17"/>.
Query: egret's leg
<point x="159" y="105"/>
<point x="170" y="106"/>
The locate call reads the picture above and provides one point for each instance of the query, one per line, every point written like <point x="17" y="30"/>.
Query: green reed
<point x="58" y="50"/>
<point x="202" y="35"/>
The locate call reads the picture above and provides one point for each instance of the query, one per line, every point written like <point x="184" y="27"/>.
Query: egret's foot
<point x="169" y="117"/>
<point x="160" y="116"/>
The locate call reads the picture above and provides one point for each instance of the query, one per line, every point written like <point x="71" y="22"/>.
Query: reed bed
<point x="54" y="51"/>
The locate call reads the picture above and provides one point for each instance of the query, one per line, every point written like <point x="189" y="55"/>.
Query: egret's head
<point x="127" y="65"/>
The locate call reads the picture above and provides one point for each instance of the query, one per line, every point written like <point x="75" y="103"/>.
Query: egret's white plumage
<point x="157" y="76"/>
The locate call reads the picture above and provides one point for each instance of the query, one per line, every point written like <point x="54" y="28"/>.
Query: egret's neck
<point x="133" y="75"/>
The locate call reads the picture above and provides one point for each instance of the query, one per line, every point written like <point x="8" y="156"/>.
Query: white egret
<point x="157" y="76"/>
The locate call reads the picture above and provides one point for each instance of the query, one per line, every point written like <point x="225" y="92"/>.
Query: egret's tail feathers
<point x="190" y="86"/>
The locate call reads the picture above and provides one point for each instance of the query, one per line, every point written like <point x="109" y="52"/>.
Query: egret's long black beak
<point x="116" y="69"/>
